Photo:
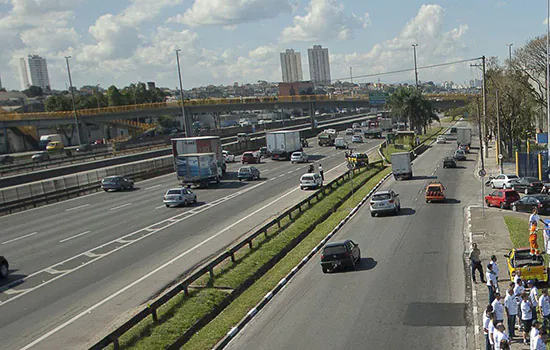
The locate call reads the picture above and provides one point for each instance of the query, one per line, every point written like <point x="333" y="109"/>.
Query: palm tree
<point x="408" y="104"/>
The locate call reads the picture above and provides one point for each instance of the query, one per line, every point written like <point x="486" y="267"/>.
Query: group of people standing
<point x="521" y="304"/>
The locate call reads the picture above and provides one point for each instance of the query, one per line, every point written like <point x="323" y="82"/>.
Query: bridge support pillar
<point x="6" y="140"/>
<point x="311" y="111"/>
<point x="188" y="122"/>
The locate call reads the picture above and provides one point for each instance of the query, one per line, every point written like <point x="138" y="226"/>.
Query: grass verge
<point x="431" y="134"/>
<point x="182" y="312"/>
<point x="207" y="337"/>
<point x="519" y="234"/>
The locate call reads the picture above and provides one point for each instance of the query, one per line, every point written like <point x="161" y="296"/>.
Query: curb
<point x="475" y="309"/>
<point x="269" y="296"/>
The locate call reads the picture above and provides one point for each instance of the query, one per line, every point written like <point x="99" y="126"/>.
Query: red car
<point x="501" y="198"/>
<point x="250" y="157"/>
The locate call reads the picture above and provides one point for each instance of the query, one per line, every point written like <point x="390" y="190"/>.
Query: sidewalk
<point x="492" y="237"/>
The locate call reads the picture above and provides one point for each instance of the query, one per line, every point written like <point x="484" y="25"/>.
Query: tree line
<point x="129" y="95"/>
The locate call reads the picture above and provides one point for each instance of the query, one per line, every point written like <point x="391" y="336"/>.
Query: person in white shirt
<point x="492" y="331"/>
<point x="544" y="305"/>
<point x="511" y="307"/>
<point x="541" y="340"/>
<point x="496" y="270"/>
<point x="498" y="309"/>
<point x="534" y="297"/>
<point x="534" y="218"/>
<point x="519" y="289"/>
<point x="487" y="316"/>
<point x="533" y="335"/>
<point x="491" y="279"/>
<point x="526" y="316"/>
<point x="499" y="335"/>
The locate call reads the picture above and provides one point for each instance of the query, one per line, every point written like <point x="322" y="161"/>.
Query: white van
<point x="45" y="139"/>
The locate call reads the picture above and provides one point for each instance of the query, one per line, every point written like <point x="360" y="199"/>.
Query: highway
<point x="83" y="265"/>
<point x="409" y="291"/>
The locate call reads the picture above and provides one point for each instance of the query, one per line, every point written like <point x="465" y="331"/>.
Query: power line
<point x="411" y="69"/>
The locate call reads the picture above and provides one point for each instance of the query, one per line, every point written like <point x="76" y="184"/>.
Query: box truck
<point x="385" y="124"/>
<point x="199" y="169"/>
<point x="464" y="136"/>
<point x="281" y="144"/>
<point x="401" y="165"/>
<point x="201" y="144"/>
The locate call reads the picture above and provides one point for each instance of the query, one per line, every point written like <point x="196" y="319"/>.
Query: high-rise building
<point x="39" y="72"/>
<point x="24" y="75"/>
<point x="291" y="66"/>
<point x="319" y="66"/>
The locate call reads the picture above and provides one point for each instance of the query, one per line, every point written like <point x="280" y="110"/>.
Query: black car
<point x="86" y="147"/>
<point x="449" y="162"/>
<point x="6" y="159"/>
<point x="528" y="203"/>
<point x="4" y="267"/>
<point x="115" y="183"/>
<point x="264" y="152"/>
<point x="340" y="255"/>
<point x="40" y="157"/>
<point x="248" y="173"/>
<point x="527" y="185"/>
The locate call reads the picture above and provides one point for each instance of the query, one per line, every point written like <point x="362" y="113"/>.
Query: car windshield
<point x="434" y="189"/>
<point x="533" y="180"/>
<point x="244" y="170"/>
<point x="109" y="180"/>
<point x="307" y="178"/>
<point x="513" y="177"/>
<point x="381" y="197"/>
<point x="173" y="192"/>
<point x="337" y="249"/>
<point x="297" y="154"/>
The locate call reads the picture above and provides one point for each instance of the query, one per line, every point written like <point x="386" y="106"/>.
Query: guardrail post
<point x="250" y="245"/>
<point x="290" y="216"/>
<point x="211" y="271"/>
<point x="154" y="314"/>
<point x="116" y="344"/>
<point x="278" y="222"/>
<point x="185" y="291"/>
<point x="232" y="257"/>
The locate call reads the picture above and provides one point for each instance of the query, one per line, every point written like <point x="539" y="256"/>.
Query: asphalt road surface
<point x="409" y="291"/>
<point x="84" y="265"/>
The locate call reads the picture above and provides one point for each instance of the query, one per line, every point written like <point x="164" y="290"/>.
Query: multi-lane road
<point x="409" y="291"/>
<point x="84" y="265"/>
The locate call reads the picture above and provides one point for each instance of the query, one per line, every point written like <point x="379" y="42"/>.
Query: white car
<point x="311" y="181"/>
<point x="441" y="139"/>
<point x="386" y="201"/>
<point x="357" y="139"/>
<point x="503" y="181"/>
<point x="228" y="157"/>
<point x="349" y="131"/>
<point x="298" y="157"/>
<point x="179" y="196"/>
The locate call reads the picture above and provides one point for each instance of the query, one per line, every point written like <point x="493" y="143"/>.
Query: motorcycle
<point x="305" y="143"/>
<point x="311" y="169"/>
<point x="488" y="182"/>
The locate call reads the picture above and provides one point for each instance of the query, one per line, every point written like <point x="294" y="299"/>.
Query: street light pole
<point x="548" y="77"/>
<point x="415" y="67"/>
<point x="351" y="80"/>
<point x="485" y="109"/>
<point x="183" y="122"/>
<point x="499" y="152"/>
<point x="74" y="102"/>
<point x="510" y="54"/>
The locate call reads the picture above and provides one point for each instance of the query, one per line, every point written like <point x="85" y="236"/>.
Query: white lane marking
<point x="75" y="236"/>
<point x="281" y="175"/>
<point x="160" y="206"/>
<point x="146" y="232"/>
<point x="290" y="172"/>
<point x="150" y="188"/>
<point x="121" y="206"/>
<point x="144" y="277"/>
<point x="79" y="207"/>
<point x="18" y="238"/>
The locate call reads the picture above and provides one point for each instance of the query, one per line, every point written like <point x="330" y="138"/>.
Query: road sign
<point x="378" y="98"/>
<point x="482" y="173"/>
<point x="351" y="165"/>
<point x="500" y="156"/>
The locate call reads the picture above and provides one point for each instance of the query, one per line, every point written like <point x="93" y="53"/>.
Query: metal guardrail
<point x="201" y="102"/>
<point x="183" y="286"/>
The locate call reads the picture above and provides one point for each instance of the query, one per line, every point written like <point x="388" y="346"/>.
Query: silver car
<point x="386" y="201"/>
<point x="178" y="196"/>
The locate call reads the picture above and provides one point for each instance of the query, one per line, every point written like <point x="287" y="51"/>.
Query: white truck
<point x="401" y="166"/>
<point x="385" y="124"/>
<point x="199" y="169"/>
<point x="45" y="139"/>
<point x="281" y="144"/>
<point x="464" y="136"/>
<point x="198" y="145"/>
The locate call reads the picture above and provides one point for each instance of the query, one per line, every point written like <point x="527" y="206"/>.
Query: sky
<point x="226" y="41"/>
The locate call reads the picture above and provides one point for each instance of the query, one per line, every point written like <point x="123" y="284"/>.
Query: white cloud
<point x="426" y="30"/>
<point x="231" y="12"/>
<point x="325" y="19"/>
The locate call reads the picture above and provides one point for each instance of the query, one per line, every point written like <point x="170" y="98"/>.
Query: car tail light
<point x="346" y="254"/>
<point x="165" y="197"/>
<point x="391" y="201"/>
<point x="322" y="257"/>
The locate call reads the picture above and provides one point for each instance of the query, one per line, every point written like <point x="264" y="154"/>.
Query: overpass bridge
<point x="193" y="107"/>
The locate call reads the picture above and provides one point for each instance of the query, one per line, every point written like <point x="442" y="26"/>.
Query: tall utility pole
<point x="548" y="76"/>
<point x="485" y="108"/>
<point x="415" y="67"/>
<point x="482" y="161"/>
<point x="499" y="152"/>
<point x="510" y="54"/>
<point x="183" y="122"/>
<point x="74" y="101"/>
<point x="351" y="80"/>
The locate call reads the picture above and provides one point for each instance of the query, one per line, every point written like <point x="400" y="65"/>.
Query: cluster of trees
<point x="132" y="94"/>
<point x="409" y="105"/>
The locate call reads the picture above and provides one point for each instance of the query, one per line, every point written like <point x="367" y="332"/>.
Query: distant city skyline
<point x="222" y="41"/>
<point x="291" y="66"/>
<point x="35" y="68"/>
<point x="319" y="65"/>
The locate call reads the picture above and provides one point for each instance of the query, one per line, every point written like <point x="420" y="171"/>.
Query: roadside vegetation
<point x="182" y="312"/>
<point x="519" y="234"/>
<point x="432" y="132"/>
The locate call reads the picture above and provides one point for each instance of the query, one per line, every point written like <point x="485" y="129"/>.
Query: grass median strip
<point x="431" y="134"/>
<point x="207" y="337"/>
<point x="179" y="314"/>
<point x="519" y="234"/>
